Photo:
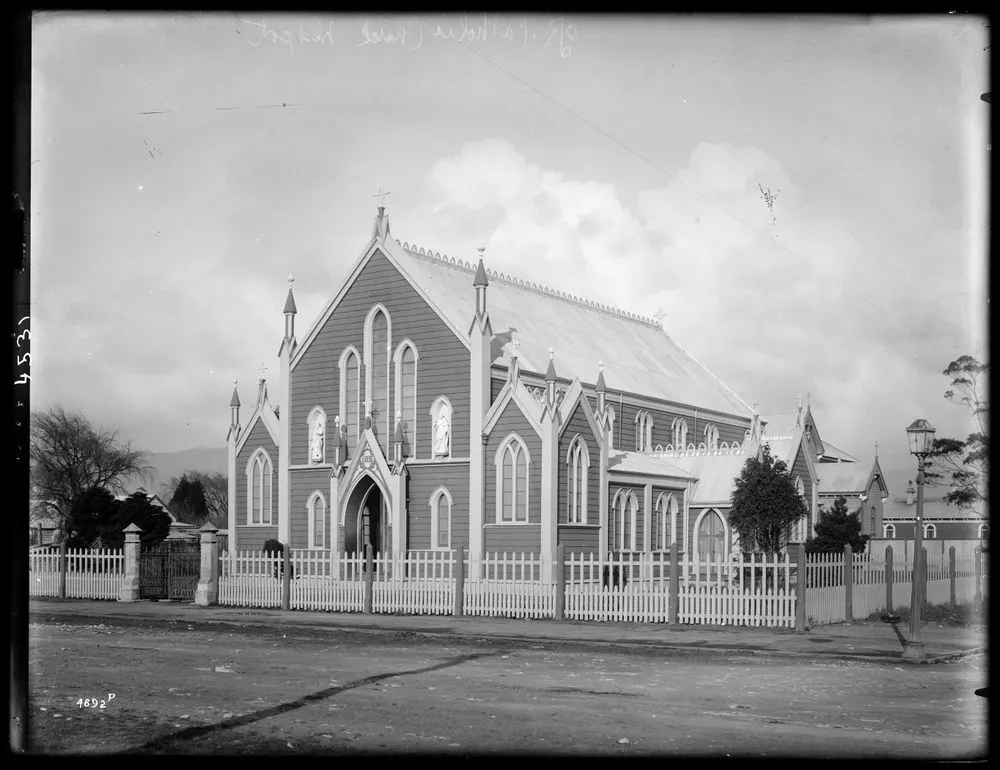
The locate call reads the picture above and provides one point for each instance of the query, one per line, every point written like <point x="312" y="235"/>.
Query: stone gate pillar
<point x="130" y="585"/>
<point x="207" y="592"/>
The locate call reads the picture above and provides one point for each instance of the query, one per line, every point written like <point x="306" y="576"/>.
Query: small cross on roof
<point x="381" y="195"/>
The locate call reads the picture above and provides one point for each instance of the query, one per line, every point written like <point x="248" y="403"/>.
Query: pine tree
<point x="765" y="504"/>
<point x="836" y="528"/>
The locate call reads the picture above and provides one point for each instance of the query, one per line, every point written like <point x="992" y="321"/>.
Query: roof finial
<point x="552" y="353"/>
<point x="291" y="280"/>
<point x="514" y="345"/>
<point x="600" y="366"/>
<point x="756" y="404"/>
<point x="262" y="371"/>
<point x="381" y="195"/>
<point x="876" y="450"/>
<point x="800" y="401"/>
<point x="482" y="252"/>
<point x="808" y="399"/>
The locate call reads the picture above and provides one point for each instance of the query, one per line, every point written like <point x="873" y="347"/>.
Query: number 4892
<point x="95" y="703"/>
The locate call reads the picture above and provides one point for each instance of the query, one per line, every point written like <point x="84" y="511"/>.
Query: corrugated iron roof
<point x="843" y="477"/>
<point x="639" y="357"/>
<point x="716" y="474"/>
<point x="831" y="451"/>
<point x="640" y="462"/>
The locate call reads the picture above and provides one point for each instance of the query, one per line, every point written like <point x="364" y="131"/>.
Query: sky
<point x="802" y="202"/>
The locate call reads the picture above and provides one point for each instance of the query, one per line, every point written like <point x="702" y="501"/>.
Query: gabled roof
<point x="646" y="464"/>
<point x="832" y="452"/>
<point x="638" y="356"/>
<point x="716" y="474"/>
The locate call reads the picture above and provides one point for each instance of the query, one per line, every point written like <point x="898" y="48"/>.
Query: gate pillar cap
<point x="133" y="527"/>
<point x="208" y="527"/>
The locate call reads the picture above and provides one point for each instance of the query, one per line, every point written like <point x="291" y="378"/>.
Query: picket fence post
<point x="369" y="575"/>
<point x="459" y="581"/>
<point x="207" y="592"/>
<point x="130" y="584"/>
<point x="951" y="576"/>
<point x="888" y="578"/>
<point x="560" y="572"/>
<point x="286" y="578"/>
<point x="977" y="562"/>
<point x="800" y="589"/>
<point x="848" y="584"/>
<point x="675" y="580"/>
<point x="923" y="576"/>
<point x="62" y="569"/>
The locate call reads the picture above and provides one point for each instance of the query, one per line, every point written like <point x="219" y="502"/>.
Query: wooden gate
<point x="170" y="570"/>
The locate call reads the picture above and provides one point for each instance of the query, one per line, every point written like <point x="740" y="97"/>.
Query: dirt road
<point x="201" y="689"/>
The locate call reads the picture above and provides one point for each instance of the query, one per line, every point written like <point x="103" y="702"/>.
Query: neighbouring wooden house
<point x="940" y="519"/>
<point x="437" y="403"/>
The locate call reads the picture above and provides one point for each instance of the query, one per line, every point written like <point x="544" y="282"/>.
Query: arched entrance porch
<point x="366" y="518"/>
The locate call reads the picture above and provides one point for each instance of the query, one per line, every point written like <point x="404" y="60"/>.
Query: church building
<point x="437" y="403"/>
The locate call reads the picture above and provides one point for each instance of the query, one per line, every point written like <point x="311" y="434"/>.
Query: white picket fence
<point x="826" y="597"/>
<point x="750" y="591"/>
<point x="250" y="579"/>
<point x="508" y="586"/>
<point x="90" y="573"/>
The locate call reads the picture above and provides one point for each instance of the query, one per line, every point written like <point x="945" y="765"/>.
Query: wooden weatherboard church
<point x="436" y="404"/>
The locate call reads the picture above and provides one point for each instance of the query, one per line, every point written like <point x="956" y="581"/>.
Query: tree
<point x="188" y="501"/>
<point x="836" y="528"/>
<point x="98" y="519"/>
<point x="138" y="509"/>
<point x="69" y="456"/>
<point x="963" y="466"/>
<point x="215" y="488"/>
<point x="765" y="504"/>
<point x="89" y="515"/>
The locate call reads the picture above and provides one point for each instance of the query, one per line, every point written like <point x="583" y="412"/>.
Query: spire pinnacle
<point x="550" y="373"/>
<point x="235" y="400"/>
<point x="290" y="300"/>
<point x="600" y="387"/>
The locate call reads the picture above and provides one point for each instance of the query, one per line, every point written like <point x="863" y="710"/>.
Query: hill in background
<point x="168" y="464"/>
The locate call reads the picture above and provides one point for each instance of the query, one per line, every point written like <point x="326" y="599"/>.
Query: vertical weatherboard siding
<point x="259" y="437"/>
<point x="513" y="421"/>
<point x="423" y="481"/>
<point x="302" y="484"/>
<point x="442" y="366"/>
<point x="578" y="424"/>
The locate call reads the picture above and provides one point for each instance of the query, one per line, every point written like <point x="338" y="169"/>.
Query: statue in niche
<point x="317" y="440"/>
<point x="442" y="433"/>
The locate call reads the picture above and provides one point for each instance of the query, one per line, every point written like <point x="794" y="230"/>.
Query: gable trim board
<point x="386" y="248"/>
<point x="270" y="423"/>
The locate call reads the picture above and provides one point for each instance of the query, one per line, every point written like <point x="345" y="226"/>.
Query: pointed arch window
<point x="712" y="437"/>
<point x="711" y="540"/>
<point x="405" y="362"/>
<point x="316" y="440"/>
<point x="378" y="351"/>
<point x="350" y="396"/>
<point x="259" y="478"/>
<point x="316" y="509"/>
<point x="626" y="514"/>
<point x="889" y="531"/>
<point x="611" y="423"/>
<point x="679" y="429"/>
<point x="577" y="465"/>
<point x="512" y="461"/>
<point x="800" y="528"/>
<point x="666" y="521"/>
<point x="441" y="504"/>
<point x="643" y="432"/>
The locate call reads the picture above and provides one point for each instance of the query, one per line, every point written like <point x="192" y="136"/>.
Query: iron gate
<point x="170" y="570"/>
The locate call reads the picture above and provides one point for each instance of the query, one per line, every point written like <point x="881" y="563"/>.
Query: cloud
<point x="776" y="300"/>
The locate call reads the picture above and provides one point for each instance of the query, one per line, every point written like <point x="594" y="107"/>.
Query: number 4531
<point x="95" y="703"/>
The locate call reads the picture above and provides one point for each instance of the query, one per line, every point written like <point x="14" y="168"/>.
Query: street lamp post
<point x="921" y="438"/>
